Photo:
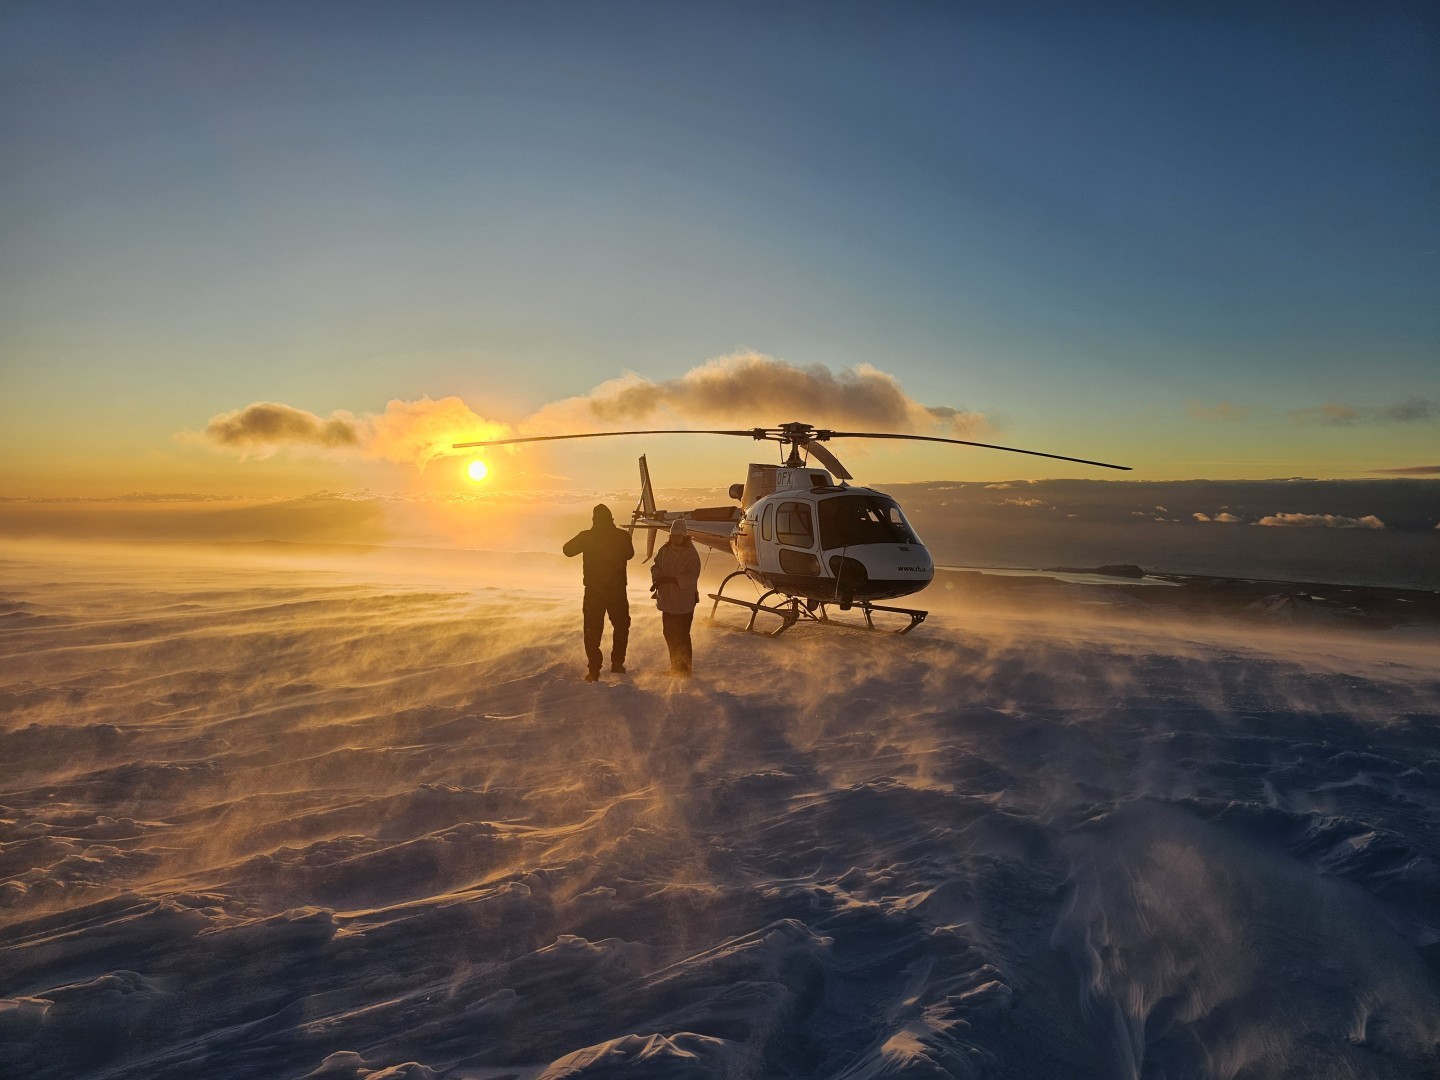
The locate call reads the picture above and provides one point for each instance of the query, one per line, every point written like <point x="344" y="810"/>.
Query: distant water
<point x="1059" y="575"/>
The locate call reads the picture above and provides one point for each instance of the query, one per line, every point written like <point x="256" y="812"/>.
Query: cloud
<point x="408" y="432"/>
<point x="1222" y="518"/>
<point x="1224" y="411"/>
<point x="1333" y="415"/>
<point x="267" y="425"/>
<point x="420" y="431"/>
<point x="744" y="389"/>
<point x="1413" y="410"/>
<point x="1322" y="521"/>
<point x="1025" y="502"/>
<point x="1411" y="470"/>
<point x="751" y="389"/>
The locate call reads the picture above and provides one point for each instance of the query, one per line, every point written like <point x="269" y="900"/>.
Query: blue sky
<point x="1161" y="237"/>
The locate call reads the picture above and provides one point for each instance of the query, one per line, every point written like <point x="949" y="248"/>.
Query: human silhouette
<point x="675" y="577"/>
<point x="606" y="550"/>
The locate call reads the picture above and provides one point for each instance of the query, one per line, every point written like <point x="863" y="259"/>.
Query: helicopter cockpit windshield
<point x="852" y="520"/>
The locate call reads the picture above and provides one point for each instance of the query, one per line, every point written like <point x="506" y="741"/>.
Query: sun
<point x="477" y="470"/>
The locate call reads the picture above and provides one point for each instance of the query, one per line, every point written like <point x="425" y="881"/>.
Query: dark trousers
<point x="598" y="604"/>
<point x="677" y="637"/>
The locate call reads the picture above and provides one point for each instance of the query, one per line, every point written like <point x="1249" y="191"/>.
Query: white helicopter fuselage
<point x="801" y="534"/>
<point x="830" y="543"/>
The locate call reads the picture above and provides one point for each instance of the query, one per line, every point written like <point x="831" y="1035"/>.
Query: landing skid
<point x="790" y="610"/>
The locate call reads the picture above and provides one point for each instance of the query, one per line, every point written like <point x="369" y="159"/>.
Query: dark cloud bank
<point x="1410" y="470"/>
<point x="1413" y="410"/>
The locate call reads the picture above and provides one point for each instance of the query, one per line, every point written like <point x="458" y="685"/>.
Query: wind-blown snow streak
<point x="280" y="822"/>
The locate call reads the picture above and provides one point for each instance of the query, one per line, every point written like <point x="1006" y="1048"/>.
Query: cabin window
<point x="794" y="525"/>
<point x="767" y="523"/>
<point x="799" y="563"/>
<point x="851" y="520"/>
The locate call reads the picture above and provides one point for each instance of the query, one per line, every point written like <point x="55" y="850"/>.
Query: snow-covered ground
<point x="279" y="817"/>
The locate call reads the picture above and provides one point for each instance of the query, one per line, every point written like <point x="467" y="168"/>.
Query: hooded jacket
<point x="675" y="574"/>
<point x="606" y="549"/>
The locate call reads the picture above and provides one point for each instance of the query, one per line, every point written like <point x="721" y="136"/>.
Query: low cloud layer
<point x="407" y="432"/>
<point x="1414" y="410"/>
<point x="1322" y="521"/>
<point x="267" y="424"/>
<point x="1412" y="470"/>
<point x="1221" y="518"/>
<point x="749" y="389"/>
<point x="741" y="390"/>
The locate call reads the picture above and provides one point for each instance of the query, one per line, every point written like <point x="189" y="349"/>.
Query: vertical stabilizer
<point x="646" y="508"/>
<point x="647" y="493"/>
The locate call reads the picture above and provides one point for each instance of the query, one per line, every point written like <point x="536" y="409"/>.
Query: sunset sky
<point x="1201" y="241"/>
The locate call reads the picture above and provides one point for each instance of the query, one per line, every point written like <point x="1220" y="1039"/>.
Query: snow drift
<point x="263" y="819"/>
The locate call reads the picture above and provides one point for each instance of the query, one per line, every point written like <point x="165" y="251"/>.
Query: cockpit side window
<point x="851" y="520"/>
<point x="794" y="525"/>
<point x="767" y="523"/>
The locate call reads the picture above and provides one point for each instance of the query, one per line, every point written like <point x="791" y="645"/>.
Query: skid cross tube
<point x="786" y="613"/>
<point x="916" y="615"/>
<point x="819" y="614"/>
<point x="792" y="610"/>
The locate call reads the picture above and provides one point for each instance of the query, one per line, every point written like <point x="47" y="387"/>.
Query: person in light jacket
<point x="675" y="581"/>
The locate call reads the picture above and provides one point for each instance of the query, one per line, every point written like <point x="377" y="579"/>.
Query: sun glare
<point x="477" y="470"/>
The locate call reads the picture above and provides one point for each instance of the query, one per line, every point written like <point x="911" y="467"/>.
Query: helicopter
<point x="800" y="531"/>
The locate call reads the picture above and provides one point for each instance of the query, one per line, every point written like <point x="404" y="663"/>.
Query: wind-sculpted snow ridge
<point x="285" y="825"/>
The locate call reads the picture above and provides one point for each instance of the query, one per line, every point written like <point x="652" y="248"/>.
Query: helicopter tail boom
<point x="711" y="527"/>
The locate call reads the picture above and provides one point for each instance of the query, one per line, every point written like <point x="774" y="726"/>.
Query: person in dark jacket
<point x="606" y="549"/>
<point x="674" y="582"/>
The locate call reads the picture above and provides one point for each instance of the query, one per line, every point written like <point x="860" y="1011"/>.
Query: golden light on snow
<point x="477" y="470"/>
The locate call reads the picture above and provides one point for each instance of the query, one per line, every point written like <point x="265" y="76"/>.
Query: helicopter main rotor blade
<point x="749" y="433"/>
<point x="808" y="439"/>
<point x="829" y="460"/>
<point x="967" y="442"/>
